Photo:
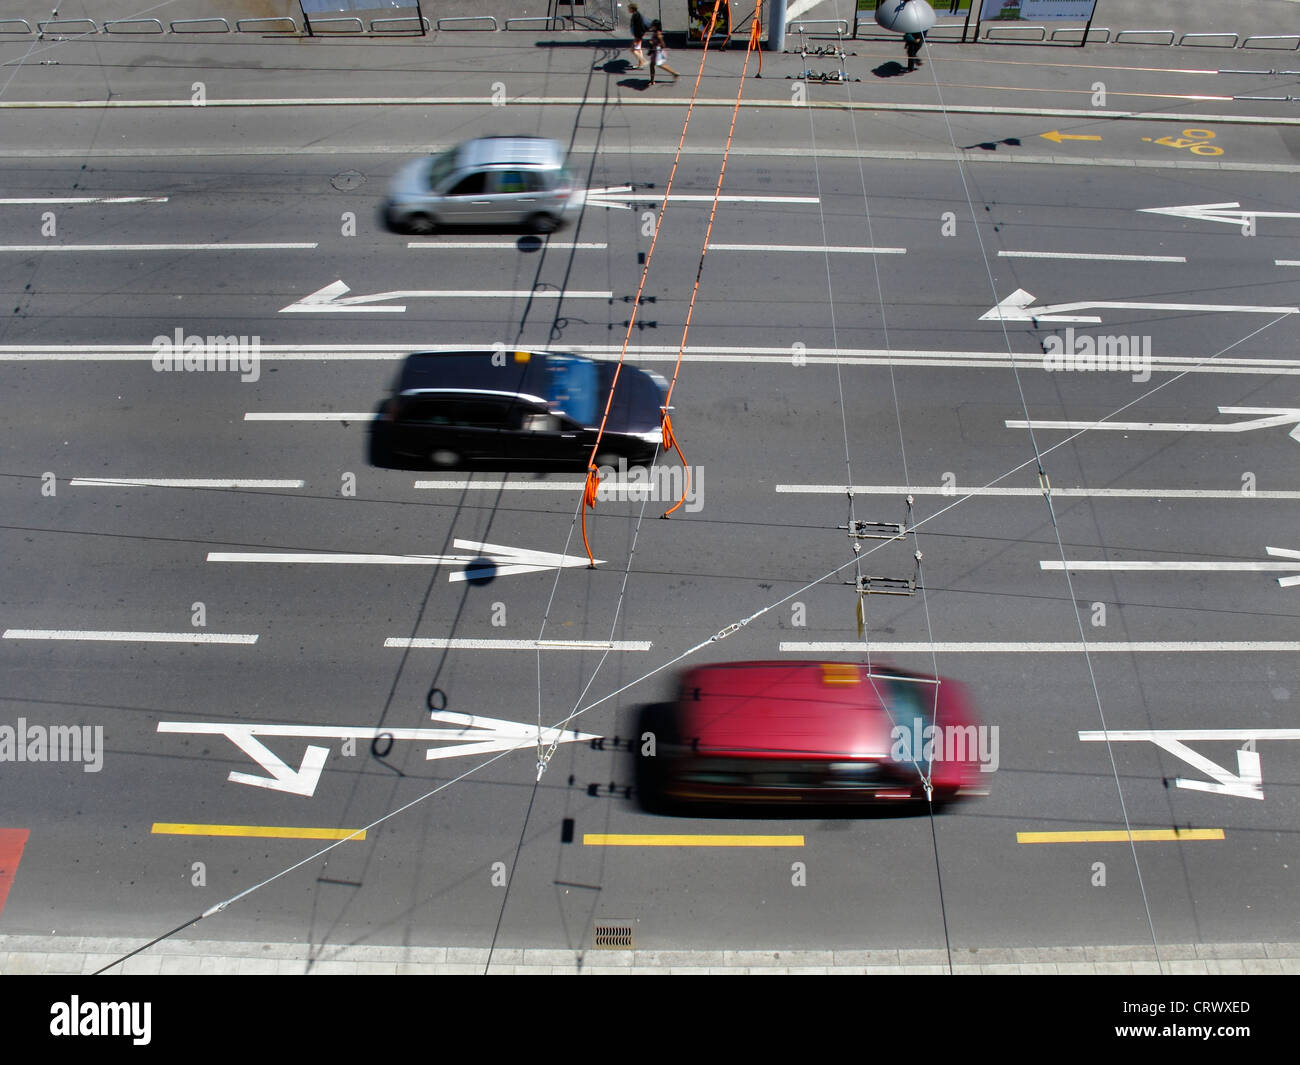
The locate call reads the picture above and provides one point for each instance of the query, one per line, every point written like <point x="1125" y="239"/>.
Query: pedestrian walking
<point x="638" y="34"/>
<point x="658" y="51"/>
<point x="912" y="43"/>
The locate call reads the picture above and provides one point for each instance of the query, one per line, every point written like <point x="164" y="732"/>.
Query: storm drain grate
<point x="614" y="935"/>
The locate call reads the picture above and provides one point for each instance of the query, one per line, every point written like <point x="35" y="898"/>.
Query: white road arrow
<point x="335" y="298"/>
<point x="1272" y="416"/>
<point x="1218" y="212"/>
<point x="474" y="735"/>
<point x="490" y="560"/>
<point x="1246" y="783"/>
<point x="623" y="196"/>
<point x="1086" y="566"/>
<point x="1018" y="307"/>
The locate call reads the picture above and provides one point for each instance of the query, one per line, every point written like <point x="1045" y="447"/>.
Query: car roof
<point x="538" y="152"/>
<point x="797" y="708"/>
<point x="523" y="372"/>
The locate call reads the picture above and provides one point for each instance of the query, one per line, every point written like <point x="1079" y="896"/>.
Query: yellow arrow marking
<point x="1057" y="136"/>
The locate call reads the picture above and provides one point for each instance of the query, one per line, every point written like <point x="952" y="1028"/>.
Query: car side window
<point x="472" y="185"/>
<point x="515" y="181"/>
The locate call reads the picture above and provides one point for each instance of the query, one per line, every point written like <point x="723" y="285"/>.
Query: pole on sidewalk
<point x="776" y="26"/>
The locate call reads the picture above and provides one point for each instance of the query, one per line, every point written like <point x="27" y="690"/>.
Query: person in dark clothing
<point x="658" y="51"/>
<point x="912" y="43"/>
<point x="638" y="34"/>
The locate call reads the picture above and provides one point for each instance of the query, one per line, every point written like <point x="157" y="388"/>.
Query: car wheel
<point x="421" y="223"/>
<point x="444" y="456"/>
<point x="543" y="223"/>
<point x="607" y="458"/>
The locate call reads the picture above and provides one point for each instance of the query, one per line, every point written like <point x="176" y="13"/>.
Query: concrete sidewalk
<point x="72" y="955"/>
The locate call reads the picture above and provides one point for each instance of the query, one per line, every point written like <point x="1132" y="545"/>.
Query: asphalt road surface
<point x="844" y="334"/>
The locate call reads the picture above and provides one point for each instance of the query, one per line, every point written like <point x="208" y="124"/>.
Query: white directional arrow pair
<point x="1231" y="213"/>
<point x="1271" y="417"/>
<point x="490" y="560"/>
<point x="475" y="735"/>
<point x="1019" y="307"/>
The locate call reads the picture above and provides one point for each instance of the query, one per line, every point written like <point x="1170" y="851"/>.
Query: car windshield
<point x="910" y="703"/>
<point x="571" y="387"/>
<point x="441" y="166"/>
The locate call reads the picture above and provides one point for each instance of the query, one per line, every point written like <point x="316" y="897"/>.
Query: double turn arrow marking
<point x="475" y="735"/>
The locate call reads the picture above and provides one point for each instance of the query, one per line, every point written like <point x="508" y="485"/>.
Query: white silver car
<point x="502" y="182"/>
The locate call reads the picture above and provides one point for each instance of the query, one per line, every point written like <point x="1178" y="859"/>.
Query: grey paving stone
<point x="333" y="968"/>
<point x="924" y="957"/>
<point x="142" y="965"/>
<point x="1225" y="966"/>
<point x="376" y="968"/>
<point x="22" y="962"/>
<point x="212" y="966"/>
<point x="259" y="966"/>
<point x="866" y="957"/>
<point x="543" y="956"/>
<point x="1230" y="950"/>
<point x="1188" y="967"/>
<point x="467" y="955"/>
<point x="1076" y="968"/>
<point x="179" y="965"/>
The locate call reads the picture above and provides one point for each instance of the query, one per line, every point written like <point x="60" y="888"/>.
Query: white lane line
<point x="1092" y="256"/>
<point x="156" y="247"/>
<point x="517" y="645"/>
<point x="307" y="416"/>
<point x="520" y="486"/>
<point x="834" y="249"/>
<point x="18" y="201"/>
<point x="651" y="353"/>
<point x="1286" y="262"/>
<point x="130" y="637"/>
<point x="1097" y="566"/>
<point x="328" y="558"/>
<point x="472" y="245"/>
<point x="180" y="482"/>
<point x="1067" y="647"/>
<point x="1080" y="493"/>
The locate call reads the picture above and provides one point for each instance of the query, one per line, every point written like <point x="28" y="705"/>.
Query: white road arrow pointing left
<point x="1273" y="416"/>
<point x="334" y="297"/>
<point x="1230" y="213"/>
<point x="1019" y="307"/>
<point x="1162" y="566"/>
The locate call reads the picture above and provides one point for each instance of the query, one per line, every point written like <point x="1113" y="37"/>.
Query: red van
<point x="815" y="732"/>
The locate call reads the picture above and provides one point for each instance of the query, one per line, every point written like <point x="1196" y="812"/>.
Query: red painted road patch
<point x="12" y="842"/>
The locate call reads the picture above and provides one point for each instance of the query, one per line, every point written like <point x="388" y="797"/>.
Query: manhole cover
<point x="348" y="180"/>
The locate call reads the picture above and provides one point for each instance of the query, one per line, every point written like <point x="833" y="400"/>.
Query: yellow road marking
<point x="1141" y="835"/>
<point x="168" y="828"/>
<point x="1058" y="136"/>
<point x="614" y="839"/>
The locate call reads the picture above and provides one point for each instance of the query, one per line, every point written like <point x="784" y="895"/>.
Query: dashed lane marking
<point x="1233" y="495"/>
<point x="1093" y="256"/>
<point x="130" y="637"/>
<point x="614" y="839"/>
<point x="181" y="482"/>
<point x="1138" y="835"/>
<point x="169" y="828"/>
<point x="1032" y="648"/>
